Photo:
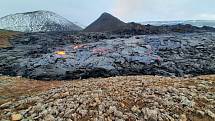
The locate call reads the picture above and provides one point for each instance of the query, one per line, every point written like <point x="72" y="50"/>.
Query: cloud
<point x="127" y="7"/>
<point x="146" y="10"/>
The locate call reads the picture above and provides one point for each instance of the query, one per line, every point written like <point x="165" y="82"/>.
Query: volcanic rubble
<point x="123" y="98"/>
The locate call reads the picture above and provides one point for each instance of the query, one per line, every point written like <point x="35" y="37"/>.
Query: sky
<point x="86" y="11"/>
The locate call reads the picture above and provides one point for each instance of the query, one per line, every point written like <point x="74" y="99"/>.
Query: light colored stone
<point x="57" y="95"/>
<point x="16" y="117"/>
<point x="44" y="113"/>
<point x="83" y="112"/>
<point x="98" y="101"/>
<point x="185" y="101"/>
<point x="65" y="94"/>
<point x="101" y="109"/>
<point x="118" y="114"/>
<point x="183" y="117"/>
<point x="112" y="109"/>
<point x="49" y="118"/>
<point x="151" y="115"/>
<point x="5" y="105"/>
<point x="69" y="112"/>
<point x="120" y="120"/>
<point x="135" y="109"/>
<point x="211" y="114"/>
<point x="201" y="113"/>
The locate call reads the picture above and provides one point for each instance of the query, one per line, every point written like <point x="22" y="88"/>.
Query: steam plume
<point x="127" y="8"/>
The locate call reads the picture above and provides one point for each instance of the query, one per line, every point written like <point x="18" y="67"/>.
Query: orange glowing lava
<point x="60" y="53"/>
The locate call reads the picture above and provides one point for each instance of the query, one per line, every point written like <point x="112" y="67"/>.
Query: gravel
<point x="123" y="98"/>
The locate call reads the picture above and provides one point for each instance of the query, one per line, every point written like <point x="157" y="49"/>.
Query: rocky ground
<point x="82" y="55"/>
<point x="12" y="88"/>
<point x="129" y="98"/>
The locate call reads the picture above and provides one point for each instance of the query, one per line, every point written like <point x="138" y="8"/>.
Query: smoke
<point x="150" y="9"/>
<point x="127" y="8"/>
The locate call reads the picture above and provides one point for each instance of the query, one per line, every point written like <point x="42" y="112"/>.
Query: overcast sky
<point x="86" y="11"/>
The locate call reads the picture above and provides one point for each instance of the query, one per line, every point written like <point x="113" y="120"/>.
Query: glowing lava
<point x="60" y="53"/>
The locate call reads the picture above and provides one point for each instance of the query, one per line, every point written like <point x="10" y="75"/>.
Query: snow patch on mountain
<point x="37" y="21"/>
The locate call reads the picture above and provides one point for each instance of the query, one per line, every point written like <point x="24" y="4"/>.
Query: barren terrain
<point x="116" y="98"/>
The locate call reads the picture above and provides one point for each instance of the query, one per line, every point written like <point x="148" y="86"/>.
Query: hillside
<point x="37" y="21"/>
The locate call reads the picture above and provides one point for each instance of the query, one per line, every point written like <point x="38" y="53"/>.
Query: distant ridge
<point x="198" y="23"/>
<point x="105" y="23"/>
<point x="37" y="21"/>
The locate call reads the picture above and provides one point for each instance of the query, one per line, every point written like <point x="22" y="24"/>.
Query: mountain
<point x="37" y="21"/>
<point x="105" y="23"/>
<point x="198" y="23"/>
<point x="108" y="23"/>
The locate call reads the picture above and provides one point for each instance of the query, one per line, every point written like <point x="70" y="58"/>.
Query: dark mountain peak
<point x="105" y="14"/>
<point x="105" y="23"/>
<point x="108" y="16"/>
